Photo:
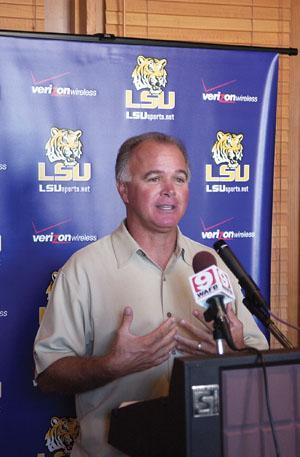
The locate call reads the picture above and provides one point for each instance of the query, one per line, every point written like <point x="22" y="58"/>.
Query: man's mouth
<point x="166" y="207"/>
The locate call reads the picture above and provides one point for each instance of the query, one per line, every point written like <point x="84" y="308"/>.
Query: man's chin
<point x="166" y="226"/>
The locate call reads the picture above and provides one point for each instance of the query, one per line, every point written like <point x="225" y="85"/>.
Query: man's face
<point x="156" y="197"/>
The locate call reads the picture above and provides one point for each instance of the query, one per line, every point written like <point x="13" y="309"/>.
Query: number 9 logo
<point x="204" y="280"/>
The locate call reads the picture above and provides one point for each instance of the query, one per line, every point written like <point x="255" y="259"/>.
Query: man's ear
<point x="123" y="190"/>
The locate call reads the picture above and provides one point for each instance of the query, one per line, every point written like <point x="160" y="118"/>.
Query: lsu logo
<point x="228" y="149"/>
<point x="64" y="147"/>
<point x="227" y="152"/>
<point x="61" y="435"/>
<point x="150" y="73"/>
<point x="150" y="77"/>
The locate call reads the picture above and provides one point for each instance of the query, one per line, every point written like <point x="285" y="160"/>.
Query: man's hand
<point x="131" y="353"/>
<point x="202" y="339"/>
<point x="128" y="354"/>
<point x="236" y="328"/>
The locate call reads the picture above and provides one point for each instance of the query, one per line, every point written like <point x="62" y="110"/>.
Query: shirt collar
<point x="183" y="249"/>
<point x="125" y="246"/>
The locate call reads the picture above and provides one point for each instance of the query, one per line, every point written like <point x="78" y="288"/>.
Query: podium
<point x="217" y="407"/>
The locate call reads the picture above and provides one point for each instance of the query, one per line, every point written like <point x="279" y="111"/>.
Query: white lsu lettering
<point x="150" y="101"/>
<point x="63" y="173"/>
<point x="227" y="175"/>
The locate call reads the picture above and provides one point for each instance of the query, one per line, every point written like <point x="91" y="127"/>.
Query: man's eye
<point x="154" y="179"/>
<point x="180" y="179"/>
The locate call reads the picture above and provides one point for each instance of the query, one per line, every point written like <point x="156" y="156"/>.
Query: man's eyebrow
<point x="161" y="172"/>
<point x="183" y="172"/>
<point x="153" y="172"/>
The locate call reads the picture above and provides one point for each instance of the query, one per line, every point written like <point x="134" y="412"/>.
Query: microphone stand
<point x="216" y="312"/>
<point x="263" y="315"/>
<point x="253" y="300"/>
<point x="219" y="337"/>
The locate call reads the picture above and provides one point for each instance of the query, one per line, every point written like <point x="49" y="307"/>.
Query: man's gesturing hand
<point x="201" y="336"/>
<point x="131" y="353"/>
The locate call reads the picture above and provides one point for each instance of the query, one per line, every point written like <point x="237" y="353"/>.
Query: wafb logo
<point x="65" y="148"/>
<point x="227" y="151"/>
<point x="150" y="77"/>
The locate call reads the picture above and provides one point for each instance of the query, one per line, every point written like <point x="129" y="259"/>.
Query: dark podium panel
<point x="216" y="408"/>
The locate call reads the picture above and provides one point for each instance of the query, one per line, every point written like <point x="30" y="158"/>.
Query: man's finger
<point x="231" y="315"/>
<point x="200" y="331"/>
<point x="159" y="341"/>
<point x="127" y="319"/>
<point x="164" y="329"/>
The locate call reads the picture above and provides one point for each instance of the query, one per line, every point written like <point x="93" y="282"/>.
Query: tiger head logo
<point x="64" y="145"/>
<point x="228" y="149"/>
<point x="61" y="435"/>
<point x="150" y="73"/>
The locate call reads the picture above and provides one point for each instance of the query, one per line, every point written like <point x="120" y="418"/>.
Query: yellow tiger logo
<point x="65" y="145"/>
<point x="150" y="73"/>
<point x="228" y="149"/>
<point x="61" y="435"/>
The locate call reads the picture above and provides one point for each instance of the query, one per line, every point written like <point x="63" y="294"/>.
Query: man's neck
<point x="159" y="246"/>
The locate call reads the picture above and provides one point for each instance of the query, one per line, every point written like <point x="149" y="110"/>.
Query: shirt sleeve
<point x="65" y="329"/>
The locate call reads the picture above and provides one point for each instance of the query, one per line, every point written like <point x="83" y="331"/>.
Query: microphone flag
<point x="210" y="282"/>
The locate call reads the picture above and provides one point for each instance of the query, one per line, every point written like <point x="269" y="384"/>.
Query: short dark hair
<point x="130" y="144"/>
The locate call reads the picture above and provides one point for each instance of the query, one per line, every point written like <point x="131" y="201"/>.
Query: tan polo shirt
<point x="85" y="310"/>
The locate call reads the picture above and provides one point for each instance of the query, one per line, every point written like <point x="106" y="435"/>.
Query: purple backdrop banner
<point x="66" y="106"/>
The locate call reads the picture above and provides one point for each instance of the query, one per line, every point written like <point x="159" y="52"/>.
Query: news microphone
<point x="209" y="280"/>
<point x="251" y="290"/>
<point x="212" y="290"/>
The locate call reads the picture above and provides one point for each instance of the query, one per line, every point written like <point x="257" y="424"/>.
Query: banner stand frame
<point x="110" y="38"/>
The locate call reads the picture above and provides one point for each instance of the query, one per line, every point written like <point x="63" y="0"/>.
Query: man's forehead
<point x="154" y="151"/>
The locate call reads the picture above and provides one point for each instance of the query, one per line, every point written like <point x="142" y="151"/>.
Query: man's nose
<point x="168" y="189"/>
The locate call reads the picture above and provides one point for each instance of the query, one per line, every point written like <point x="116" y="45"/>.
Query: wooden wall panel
<point x="25" y="15"/>
<point x="293" y="164"/>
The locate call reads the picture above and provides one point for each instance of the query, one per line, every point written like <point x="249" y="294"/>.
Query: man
<point x="121" y="308"/>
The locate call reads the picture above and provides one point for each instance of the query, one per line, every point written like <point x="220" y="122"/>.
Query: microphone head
<point x="218" y="245"/>
<point x="203" y="260"/>
<point x="209" y="281"/>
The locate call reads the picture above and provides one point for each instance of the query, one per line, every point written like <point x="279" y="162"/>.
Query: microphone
<point x="209" y="280"/>
<point x="203" y="260"/>
<point x="251" y="290"/>
<point x="253" y="300"/>
<point x="212" y="290"/>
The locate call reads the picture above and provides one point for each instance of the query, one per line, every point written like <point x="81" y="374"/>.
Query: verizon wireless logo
<point x="50" y="235"/>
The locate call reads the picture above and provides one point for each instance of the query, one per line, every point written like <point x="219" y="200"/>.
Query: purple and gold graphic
<point x="66" y="106"/>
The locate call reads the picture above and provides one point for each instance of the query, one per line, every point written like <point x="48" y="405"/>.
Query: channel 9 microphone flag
<point x="66" y="106"/>
<point x="209" y="280"/>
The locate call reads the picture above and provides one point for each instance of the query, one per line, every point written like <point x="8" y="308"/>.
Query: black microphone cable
<point x="262" y="364"/>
